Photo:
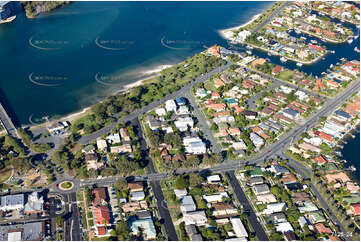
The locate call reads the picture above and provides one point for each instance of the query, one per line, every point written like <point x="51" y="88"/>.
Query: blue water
<point x="351" y="153"/>
<point x="48" y="64"/>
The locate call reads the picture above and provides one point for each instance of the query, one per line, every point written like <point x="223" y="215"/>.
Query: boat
<point x="283" y="59"/>
<point x="323" y="73"/>
<point x="269" y="54"/>
<point x="313" y="41"/>
<point x="8" y="20"/>
<point x="350" y="41"/>
<point x="298" y="32"/>
<point x="356" y="50"/>
<point x="351" y="168"/>
<point x="344" y="161"/>
<point x="299" y="64"/>
<point x="331" y="66"/>
<point x="338" y="153"/>
<point x="249" y="47"/>
<point x="304" y="38"/>
<point x="249" y="52"/>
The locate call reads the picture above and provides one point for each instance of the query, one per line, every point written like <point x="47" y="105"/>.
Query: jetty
<point x="7" y="123"/>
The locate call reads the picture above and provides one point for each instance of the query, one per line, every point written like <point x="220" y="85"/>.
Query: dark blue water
<point x="48" y="65"/>
<point x="351" y="153"/>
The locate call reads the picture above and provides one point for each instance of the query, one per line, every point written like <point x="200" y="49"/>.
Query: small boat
<point x="350" y="41"/>
<point x="297" y="31"/>
<point x="302" y="38"/>
<point x="344" y="161"/>
<point x="351" y="168"/>
<point x="249" y="47"/>
<point x="331" y="66"/>
<point x="356" y="50"/>
<point x="338" y="153"/>
<point x="249" y="52"/>
<point x="299" y="64"/>
<point x="269" y="54"/>
<point x="8" y="20"/>
<point x="313" y="41"/>
<point x="283" y="59"/>
<point x="323" y="73"/>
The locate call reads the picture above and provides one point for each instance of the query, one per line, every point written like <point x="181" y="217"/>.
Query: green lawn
<point x="5" y="174"/>
<point x="286" y="75"/>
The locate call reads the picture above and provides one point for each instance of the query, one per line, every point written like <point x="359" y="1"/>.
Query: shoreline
<point x="149" y="75"/>
<point x="225" y="32"/>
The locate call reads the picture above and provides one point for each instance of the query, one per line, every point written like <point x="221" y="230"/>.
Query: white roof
<point x="238" y="228"/>
<point x="215" y="197"/>
<point x="180" y="192"/>
<point x="214" y="178"/>
<point x="14" y="236"/>
<point x="284" y="227"/>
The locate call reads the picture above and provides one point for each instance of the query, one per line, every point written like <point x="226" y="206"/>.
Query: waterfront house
<point x="276" y="70"/>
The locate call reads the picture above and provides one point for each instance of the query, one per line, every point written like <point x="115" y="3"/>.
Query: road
<point x="251" y="105"/>
<point x="163" y="211"/>
<point x="296" y="166"/>
<point x="274" y="14"/>
<point x="135" y="114"/>
<point x="7" y="123"/>
<point x="247" y="208"/>
<point x="203" y="124"/>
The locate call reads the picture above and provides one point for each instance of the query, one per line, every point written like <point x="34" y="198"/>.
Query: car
<point x="57" y="185"/>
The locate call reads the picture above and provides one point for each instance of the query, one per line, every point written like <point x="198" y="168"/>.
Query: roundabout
<point x="66" y="185"/>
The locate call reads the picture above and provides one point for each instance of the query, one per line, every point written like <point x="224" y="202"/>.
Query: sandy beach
<point x="150" y="74"/>
<point x="228" y="33"/>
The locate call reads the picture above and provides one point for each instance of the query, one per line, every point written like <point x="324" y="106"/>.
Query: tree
<point x="194" y="179"/>
<point x="180" y="183"/>
<point x="121" y="184"/>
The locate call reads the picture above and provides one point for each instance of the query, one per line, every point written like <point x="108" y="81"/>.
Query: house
<point x="113" y="138"/>
<point x="256" y="140"/>
<point x="266" y="198"/>
<point x="135" y="187"/>
<point x="278" y="170"/>
<point x="300" y="197"/>
<point x="259" y="61"/>
<point x="288" y="178"/>
<point x="170" y="106"/>
<point x="261" y="189"/>
<point x="92" y="162"/>
<point x="306" y="146"/>
<point x="355" y="209"/>
<point x="234" y="131"/>
<point x="316" y="217"/>
<point x="274" y="208"/>
<point x="284" y="227"/>
<point x="216" y="106"/>
<point x="278" y="218"/>
<point x="187" y="204"/>
<point x="224" y="210"/>
<point x="213" y="179"/>
<point x="239" y="228"/>
<point x="179" y="193"/>
<point x="102" y="145"/>
<point x="240" y="145"/>
<point x="34" y="204"/>
<point x="290" y="236"/>
<point x="214" y="50"/>
<point x="198" y="218"/>
<point x="126" y="148"/>
<point x="249" y="114"/>
<point x="183" y="110"/>
<point x="183" y="123"/>
<point x="181" y="101"/>
<point x="217" y="82"/>
<point x="321" y="228"/>
<point x="291" y="114"/>
<point x="308" y="207"/>
<point x="277" y="69"/>
<point x="144" y="226"/>
<point x="101" y="215"/>
<point x="56" y="128"/>
<point x="99" y="196"/>
<point x="134" y="206"/>
<point x="201" y="92"/>
<point x="137" y="196"/>
<point x="255" y="181"/>
<point x="194" y="145"/>
<point x="342" y="115"/>
<point x="160" y="111"/>
<point x="337" y="177"/>
<point x="214" y="198"/>
<point x="320" y="160"/>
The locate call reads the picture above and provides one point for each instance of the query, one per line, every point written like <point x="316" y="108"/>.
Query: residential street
<point x="252" y="217"/>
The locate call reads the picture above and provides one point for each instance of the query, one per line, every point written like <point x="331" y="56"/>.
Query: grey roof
<point x="191" y="229"/>
<point x="280" y="169"/>
<point x="291" y="111"/>
<point x="30" y="231"/>
<point x="11" y="200"/>
<point x="261" y="188"/>
<point x="143" y="214"/>
<point x="278" y="217"/>
<point x="196" y="237"/>
<point x="255" y="180"/>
